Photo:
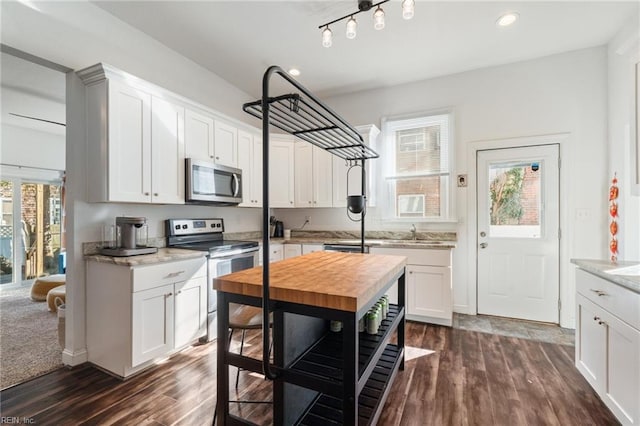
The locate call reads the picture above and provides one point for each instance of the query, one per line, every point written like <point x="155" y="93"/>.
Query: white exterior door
<point x="518" y="232"/>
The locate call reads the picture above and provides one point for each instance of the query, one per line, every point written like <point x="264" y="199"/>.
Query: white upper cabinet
<point x="135" y="148"/>
<point x="250" y="162"/>
<point x="167" y="152"/>
<point x="313" y="171"/>
<point x="340" y="169"/>
<point x="127" y="142"/>
<point x="198" y="135"/>
<point x="225" y="142"/>
<point x="281" y="171"/>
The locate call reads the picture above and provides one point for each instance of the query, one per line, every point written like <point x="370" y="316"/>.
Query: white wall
<point x="554" y="95"/>
<point x="28" y="147"/>
<point x="623" y="54"/>
<point x="77" y="35"/>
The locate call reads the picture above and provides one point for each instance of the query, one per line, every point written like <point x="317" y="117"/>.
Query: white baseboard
<point x="71" y="358"/>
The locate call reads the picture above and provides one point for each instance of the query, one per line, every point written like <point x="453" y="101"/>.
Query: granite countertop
<point x="623" y="273"/>
<point x="163" y="255"/>
<point x="387" y="239"/>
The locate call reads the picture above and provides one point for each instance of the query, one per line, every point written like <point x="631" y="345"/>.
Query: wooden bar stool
<point x="243" y="317"/>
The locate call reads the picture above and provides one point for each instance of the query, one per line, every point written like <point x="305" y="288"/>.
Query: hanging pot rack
<point x="306" y="117"/>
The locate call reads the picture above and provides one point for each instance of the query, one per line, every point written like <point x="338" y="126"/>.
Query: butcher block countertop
<point x="342" y="281"/>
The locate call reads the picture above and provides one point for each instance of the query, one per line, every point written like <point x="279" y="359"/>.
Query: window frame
<point x="446" y="119"/>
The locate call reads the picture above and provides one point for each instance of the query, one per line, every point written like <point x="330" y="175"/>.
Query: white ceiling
<point x="238" y="40"/>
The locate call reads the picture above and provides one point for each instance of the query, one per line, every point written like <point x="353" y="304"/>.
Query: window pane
<point x="40" y="229"/>
<point x="514" y="192"/>
<point x="418" y="197"/>
<point x="418" y="150"/>
<point x="6" y="232"/>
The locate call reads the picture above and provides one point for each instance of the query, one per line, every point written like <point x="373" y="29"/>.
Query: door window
<point x="515" y="207"/>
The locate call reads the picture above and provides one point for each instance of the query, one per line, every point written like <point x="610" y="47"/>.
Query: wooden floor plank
<point x="472" y="378"/>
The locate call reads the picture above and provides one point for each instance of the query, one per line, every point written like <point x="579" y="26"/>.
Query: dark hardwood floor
<point x="471" y="378"/>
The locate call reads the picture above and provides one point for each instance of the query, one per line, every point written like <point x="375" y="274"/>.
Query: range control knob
<point x="184" y="226"/>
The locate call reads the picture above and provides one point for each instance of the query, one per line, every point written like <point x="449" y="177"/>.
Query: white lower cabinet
<point x="429" y="286"/>
<point x="276" y="253"/>
<point x="608" y="343"/>
<point x="292" y="250"/>
<point x="139" y="314"/>
<point x="310" y="248"/>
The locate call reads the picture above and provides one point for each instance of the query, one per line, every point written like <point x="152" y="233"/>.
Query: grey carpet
<point x="28" y="338"/>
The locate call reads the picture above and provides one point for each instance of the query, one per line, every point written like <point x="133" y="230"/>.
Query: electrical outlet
<point x="307" y="218"/>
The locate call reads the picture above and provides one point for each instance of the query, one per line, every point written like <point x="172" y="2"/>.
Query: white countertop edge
<point x="601" y="268"/>
<point x="163" y="255"/>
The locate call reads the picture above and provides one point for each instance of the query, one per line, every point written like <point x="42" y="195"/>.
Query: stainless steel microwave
<point x="210" y="183"/>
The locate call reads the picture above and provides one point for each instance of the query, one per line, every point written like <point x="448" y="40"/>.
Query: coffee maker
<point x="126" y="240"/>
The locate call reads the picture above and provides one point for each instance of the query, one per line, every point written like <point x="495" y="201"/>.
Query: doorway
<point x="30" y="230"/>
<point x="518" y="246"/>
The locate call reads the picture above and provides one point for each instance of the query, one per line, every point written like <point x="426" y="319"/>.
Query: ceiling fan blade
<point x="38" y="119"/>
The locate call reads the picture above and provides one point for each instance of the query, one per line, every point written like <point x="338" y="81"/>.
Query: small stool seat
<point x="56" y="293"/>
<point x="42" y="285"/>
<point x="244" y="317"/>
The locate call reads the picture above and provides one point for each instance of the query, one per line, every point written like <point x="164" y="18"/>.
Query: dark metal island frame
<point x="318" y="376"/>
<point x="322" y="377"/>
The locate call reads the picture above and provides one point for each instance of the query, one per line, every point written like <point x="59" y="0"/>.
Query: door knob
<point x="483" y="245"/>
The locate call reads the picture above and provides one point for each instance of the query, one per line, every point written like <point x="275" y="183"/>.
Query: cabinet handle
<point x="174" y="274"/>
<point x="217" y="158"/>
<point x="211" y="156"/>
<point x="290" y="202"/>
<point x="169" y="294"/>
<point x="309" y="202"/>
<point x="599" y="292"/>
<point x="155" y="194"/>
<point x="602" y="322"/>
<point x="596" y="318"/>
<point x="411" y="272"/>
<point x="146" y="193"/>
<point x="178" y="292"/>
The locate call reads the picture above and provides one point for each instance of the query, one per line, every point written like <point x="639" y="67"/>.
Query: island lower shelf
<point x="328" y="410"/>
<point x="324" y="362"/>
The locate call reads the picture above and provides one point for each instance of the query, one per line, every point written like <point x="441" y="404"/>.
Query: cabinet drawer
<point x="418" y="256"/>
<point x="621" y="302"/>
<point x="146" y="277"/>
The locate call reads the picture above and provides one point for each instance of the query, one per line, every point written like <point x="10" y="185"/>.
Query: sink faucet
<point x="413" y="231"/>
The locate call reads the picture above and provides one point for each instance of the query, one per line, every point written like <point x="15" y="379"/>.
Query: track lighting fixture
<point x="408" y="10"/>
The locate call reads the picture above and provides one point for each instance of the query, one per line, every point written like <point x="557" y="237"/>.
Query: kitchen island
<point x="322" y="376"/>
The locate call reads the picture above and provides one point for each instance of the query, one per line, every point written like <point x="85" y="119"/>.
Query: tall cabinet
<point x="313" y="176"/>
<point x="250" y="161"/>
<point x="135" y="141"/>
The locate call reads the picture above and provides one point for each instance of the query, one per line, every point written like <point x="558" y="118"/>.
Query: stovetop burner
<point x="203" y="235"/>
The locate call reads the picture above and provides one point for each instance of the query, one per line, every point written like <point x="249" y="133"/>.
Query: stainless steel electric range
<point x="225" y="256"/>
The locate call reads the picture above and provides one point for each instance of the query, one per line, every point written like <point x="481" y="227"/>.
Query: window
<point x="418" y="167"/>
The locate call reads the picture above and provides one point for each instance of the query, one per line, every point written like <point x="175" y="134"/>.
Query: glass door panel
<point x="40" y="223"/>
<point x="6" y="232"/>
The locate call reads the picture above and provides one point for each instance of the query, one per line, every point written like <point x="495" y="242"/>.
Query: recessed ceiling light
<point x="507" y="19"/>
<point x="294" y="72"/>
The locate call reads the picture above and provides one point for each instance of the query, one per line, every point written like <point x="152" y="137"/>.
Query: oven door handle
<point x="237" y="255"/>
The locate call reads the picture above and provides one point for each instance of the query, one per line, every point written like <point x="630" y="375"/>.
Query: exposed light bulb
<point x="327" y="37"/>
<point x="351" y="28"/>
<point x="408" y="8"/>
<point x="378" y="18"/>
<point x="295" y="72"/>
<point x="507" y="19"/>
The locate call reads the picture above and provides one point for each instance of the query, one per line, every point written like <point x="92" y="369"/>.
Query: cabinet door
<point x="225" y="143"/>
<point x="322" y="178"/>
<point x="622" y="385"/>
<point x="276" y="252"/>
<point x="198" y="136"/>
<point x="245" y="159"/>
<point x="167" y="152"/>
<point x="429" y="293"/>
<point x="590" y="342"/>
<point x="281" y="173"/>
<point x="129" y="165"/>
<point x="310" y="248"/>
<point x="256" y="167"/>
<point x="190" y="310"/>
<point x="152" y="324"/>
<point x="292" y="250"/>
<point x="303" y="174"/>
